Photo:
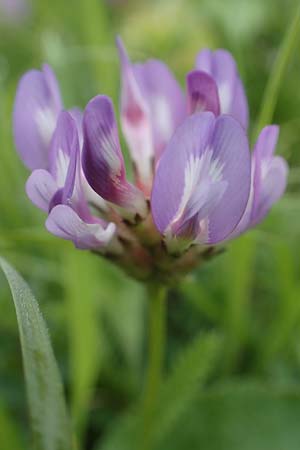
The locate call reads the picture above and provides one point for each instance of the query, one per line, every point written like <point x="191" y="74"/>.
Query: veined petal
<point x="209" y="161"/>
<point x="270" y="173"/>
<point x="65" y="223"/>
<point x="152" y="106"/>
<point x="135" y="120"/>
<point x="69" y="214"/>
<point x="164" y="98"/>
<point x="40" y="188"/>
<point x="90" y="195"/>
<point x="103" y="162"/>
<point x="77" y="115"/>
<point x="222" y="67"/>
<point x="65" y="141"/>
<point x="231" y="148"/>
<point x="36" y="108"/>
<point x="202" y="93"/>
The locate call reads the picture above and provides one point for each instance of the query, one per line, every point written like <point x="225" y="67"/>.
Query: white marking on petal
<point x="203" y="189"/>
<point x="46" y="122"/>
<point x="203" y="235"/>
<point x="265" y="167"/>
<point x="140" y="142"/>
<point x="61" y="166"/>
<point x="225" y="96"/>
<point x="162" y="116"/>
<point x="108" y="149"/>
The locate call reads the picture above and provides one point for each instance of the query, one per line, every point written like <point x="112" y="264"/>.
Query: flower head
<point x="196" y="183"/>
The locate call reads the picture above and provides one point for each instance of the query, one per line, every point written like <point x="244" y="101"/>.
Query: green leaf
<point x="238" y="276"/>
<point x="44" y="387"/>
<point x="80" y="279"/>
<point x="10" y="438"/>
<point x="190" y="372"/>
<point x="239" y="416"/>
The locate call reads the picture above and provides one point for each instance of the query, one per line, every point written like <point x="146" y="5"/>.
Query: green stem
<point x="278" y="70"/>
<point x="156" y="349"/>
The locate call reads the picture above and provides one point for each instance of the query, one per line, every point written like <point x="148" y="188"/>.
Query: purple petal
<point x="103" y="162"/>
<point x="77" y="115"/>
<point x="14" y="11"/>
<point x="64" y="144"/>
<point x="210" y="161"/>
<point x="90" y="195"/>
<point x="222" y="67"/>
<point x="169" y="180"/>
<point x="164" y="98"/>
<point x="135" y="119"/>
<point x="40" y="188"/>
<point x="202" y="93"/>
<point x="270" y="174"/>
<point x="65" y="223"/>
<point x="36" y="108"/>
<point x="231" y="148"/>
<point x="152" y="106"/>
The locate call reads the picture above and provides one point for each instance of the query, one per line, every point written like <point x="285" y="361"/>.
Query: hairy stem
<point x="156" y="349"/>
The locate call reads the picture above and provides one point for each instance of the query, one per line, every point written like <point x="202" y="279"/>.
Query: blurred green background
<point x="246" y="389"/>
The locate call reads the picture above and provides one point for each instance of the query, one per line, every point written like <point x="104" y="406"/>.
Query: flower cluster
<point x="196" y="184"/>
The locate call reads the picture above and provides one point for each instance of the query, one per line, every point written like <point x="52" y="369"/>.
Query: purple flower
<point x="196" y="181"/>
<point x="152" y="106"/>
<point x="268" y="180"/>
<point x="37" y="105"/>
<point x="14" y="11"/>
<point x="221" y="66"/>
<point x="48" y="140"/>
<point x="103" y="162"/>
<point x="209" y="159"/>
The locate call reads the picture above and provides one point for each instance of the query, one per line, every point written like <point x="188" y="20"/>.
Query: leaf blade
<point x="44" y="387"/>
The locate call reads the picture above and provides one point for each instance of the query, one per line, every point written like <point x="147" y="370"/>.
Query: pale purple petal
<point x="245" y="221"/>
<point x="40" y="188"/>
<point x="77" y="115"/>
<point x="164" y="98"/>
<point x="65" y="142"/>
<point x="14" y="11"/>
<point x="65" y="223"/>
<point x="270" y="173"/>
<point x="91" y="196"/>
<point x="203" y="179"/>
<point x="231" y="149"/>
<point x="152" y="106"/>
<point x="102" y="159"/>
<point x="222" y="67"/>
<point x="202" y="93"/>
<point x="135" y="120"/>
<point x="272" y="188"/>
<point x="169" y="181"/>
<point x="36" y="108"/>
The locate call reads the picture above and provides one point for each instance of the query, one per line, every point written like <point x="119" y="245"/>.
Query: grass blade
<point x="44" y="387"/>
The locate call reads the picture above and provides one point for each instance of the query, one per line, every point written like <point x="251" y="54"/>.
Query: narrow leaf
<point x="80" y="276"/>
<point x="44" y="387"/>
<point x="191" y="371"/>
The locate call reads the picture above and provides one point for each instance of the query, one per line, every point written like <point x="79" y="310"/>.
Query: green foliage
<point x="44" y="388"/>
<point x="191" y="370"/>
<point x="249" y="295"/>
<point x="248" y="416"/>
<point x="80" y="277"/>
<point x="10" y="438"/>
